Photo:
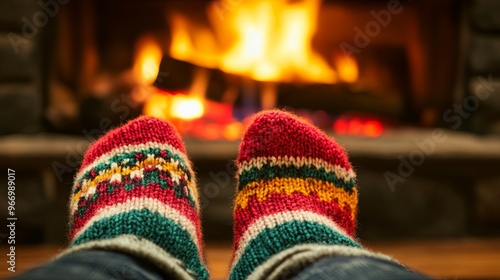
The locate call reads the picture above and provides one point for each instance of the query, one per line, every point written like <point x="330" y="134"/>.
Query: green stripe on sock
<point x="267" y="172"/>
<point x="151" y="226"/>
<point x="284" y="236"/>
<point x="131" y="161"/>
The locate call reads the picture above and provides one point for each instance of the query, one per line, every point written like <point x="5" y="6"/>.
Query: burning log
<point x="176" y="75"/>
<point x="255" y="95"/>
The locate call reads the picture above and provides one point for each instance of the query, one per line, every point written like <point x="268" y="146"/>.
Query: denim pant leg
<point x="359" y="268"/>
<point x="94" y="264"/>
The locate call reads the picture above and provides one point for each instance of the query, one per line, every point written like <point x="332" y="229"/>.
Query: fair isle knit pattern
<point x="296" y="188"/>
<point x="136" y="192"/>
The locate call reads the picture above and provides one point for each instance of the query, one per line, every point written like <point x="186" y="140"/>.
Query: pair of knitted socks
<point x="296" y="200"/>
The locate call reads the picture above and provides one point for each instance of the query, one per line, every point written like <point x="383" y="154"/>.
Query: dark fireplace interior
<point x="409" y="87"/>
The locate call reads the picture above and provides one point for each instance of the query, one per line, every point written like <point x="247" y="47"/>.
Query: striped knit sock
<point x="296" y="200"/>
<point x="136" y="193"/>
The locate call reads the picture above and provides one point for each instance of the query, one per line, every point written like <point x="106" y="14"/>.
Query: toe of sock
<point x="277" y="133"/>
<point x="138" y="131"/>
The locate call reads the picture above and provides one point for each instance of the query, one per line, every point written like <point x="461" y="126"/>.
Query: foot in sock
<point x="136" y="193"/>
<point x="296" y="199"/>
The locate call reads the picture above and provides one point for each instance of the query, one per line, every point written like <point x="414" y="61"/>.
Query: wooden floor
<point x="451" y="259"/>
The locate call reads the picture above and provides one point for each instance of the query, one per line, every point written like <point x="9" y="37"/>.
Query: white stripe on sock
<point x="340" y="172"/>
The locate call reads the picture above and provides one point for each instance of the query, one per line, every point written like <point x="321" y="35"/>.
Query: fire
<point x="157" y="106"/>
<point x="192" y="115"/>
<point x="272" y="42"/>
<point x="192" y="43"/>
<point x="262" y="40"/>
<point x="186" y="107"/>
<point x="147" y="59"/>
<point x="347" y="68"/>
<point x="170" y="107"/>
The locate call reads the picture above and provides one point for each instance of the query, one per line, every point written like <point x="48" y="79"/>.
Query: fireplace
<point x="342" y="64"/>
<point x="377" y="75"/>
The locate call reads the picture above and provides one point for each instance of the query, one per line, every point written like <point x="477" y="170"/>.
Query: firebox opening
<point x="181" y="61"/>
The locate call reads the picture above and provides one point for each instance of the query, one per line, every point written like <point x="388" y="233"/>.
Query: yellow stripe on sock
<point x="326" y="191"/>
<point x="166" y="166"/>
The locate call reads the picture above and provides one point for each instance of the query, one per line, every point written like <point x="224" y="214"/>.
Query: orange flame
<point x="157" y="106"/>
<point x="347" y="68"/>
<point x="147" y="59"/>
<point x="192" y="43"/>
<point x="263" y="40"/>
<point x="273" y="42"/>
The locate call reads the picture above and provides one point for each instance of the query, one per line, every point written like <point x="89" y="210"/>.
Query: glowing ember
<point x="147" y="60"/>
<point x="186" y="108"/>
<point x="358" y="126"/>
<point x="373" y="128"/>
<point x="340" y="126"/>
<point x="170" y="107"/>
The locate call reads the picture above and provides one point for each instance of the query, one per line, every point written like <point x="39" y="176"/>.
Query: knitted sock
<point x="136" y="193"/>
<point x="296" y="200"/>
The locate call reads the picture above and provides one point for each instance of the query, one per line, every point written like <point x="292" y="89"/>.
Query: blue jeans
<point x="357" y="268"/>
<point x="96" y="264"/>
